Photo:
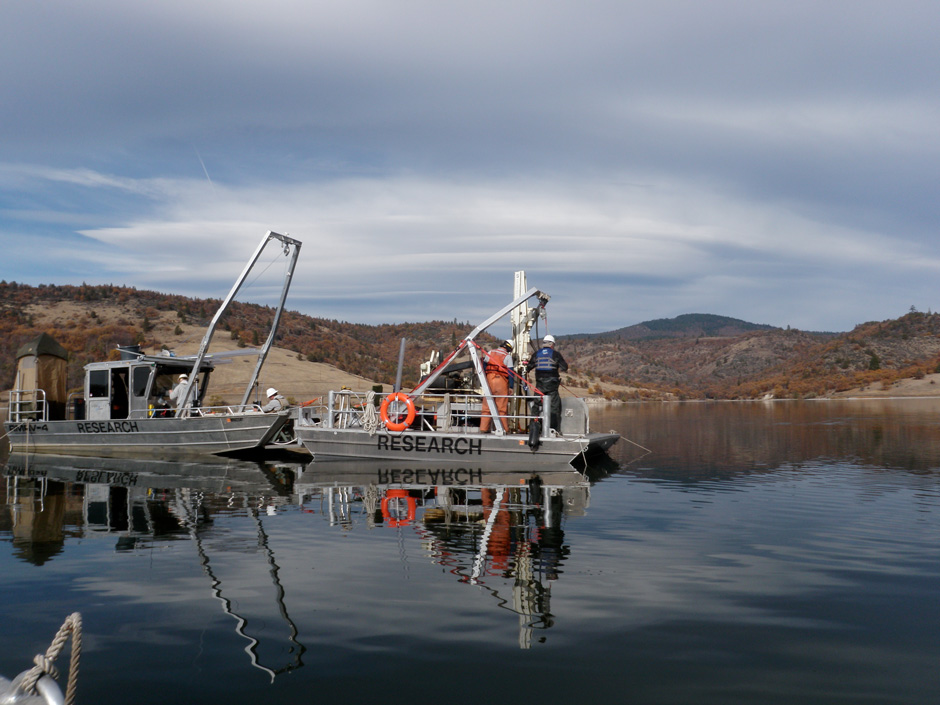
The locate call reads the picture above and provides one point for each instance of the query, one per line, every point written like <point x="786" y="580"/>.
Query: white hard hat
<point x="548" y="339"/>
<point x="271" y="391"/>
<point x="183" y="377"/>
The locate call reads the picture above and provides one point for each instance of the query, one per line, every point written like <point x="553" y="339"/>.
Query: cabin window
<point x="163" y="383"/>
<point x="98" y="384"/>
<point x="119" y="392"/>
<point x="141" y="377"/>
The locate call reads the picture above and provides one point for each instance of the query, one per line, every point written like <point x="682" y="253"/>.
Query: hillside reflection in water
<point x="758" y="553"/>
<point x="724" y="438"/>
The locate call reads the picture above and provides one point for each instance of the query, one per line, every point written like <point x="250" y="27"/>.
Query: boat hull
<point x="217" y="433"/>
<point x="451" y="448"/>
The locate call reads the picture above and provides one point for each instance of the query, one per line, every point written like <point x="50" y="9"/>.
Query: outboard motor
<point x="535" y="426"/>
<point x="535" y="490"/>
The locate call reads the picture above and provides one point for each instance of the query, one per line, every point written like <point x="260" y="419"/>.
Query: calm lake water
<point x="782" y="552"/>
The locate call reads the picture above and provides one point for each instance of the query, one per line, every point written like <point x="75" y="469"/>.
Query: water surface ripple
<point x="760" y="553"/>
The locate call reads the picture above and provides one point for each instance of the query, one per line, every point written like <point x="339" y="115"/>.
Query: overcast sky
<point x="771" y="161"/>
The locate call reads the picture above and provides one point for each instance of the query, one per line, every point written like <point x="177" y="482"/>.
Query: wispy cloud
<point x="774" y="162"/>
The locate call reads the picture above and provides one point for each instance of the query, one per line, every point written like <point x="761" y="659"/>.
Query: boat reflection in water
<point x="497" y="529"/>
<point x="128" y="499"/>
<point x="142" y="502"/>
<point x="488" y="527"/>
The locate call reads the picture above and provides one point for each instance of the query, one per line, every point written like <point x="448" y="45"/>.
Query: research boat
<point x="439" y="420"/>
<point x="122" y="409"/>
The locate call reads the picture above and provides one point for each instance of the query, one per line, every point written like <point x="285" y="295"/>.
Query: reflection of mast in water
<point x="529" y="598"/>
<point x="191" y="523"/>
<point x="482" y="526"/>
<point x="132" y="499"/>
<point x="514" y="547"/>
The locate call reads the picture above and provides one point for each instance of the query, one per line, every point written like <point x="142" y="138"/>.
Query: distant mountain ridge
<point x="688" y="325"/>
<point x="764" y="362"/>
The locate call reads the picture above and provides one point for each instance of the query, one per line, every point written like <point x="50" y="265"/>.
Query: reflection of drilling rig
<point x="521" y="539"/>
<point x="500" y="532"/>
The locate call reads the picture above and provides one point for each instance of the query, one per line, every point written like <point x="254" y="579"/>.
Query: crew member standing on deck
<point x="497" y="364"/>
<point x="548" y="363"/>
<point x="176" y="394"/>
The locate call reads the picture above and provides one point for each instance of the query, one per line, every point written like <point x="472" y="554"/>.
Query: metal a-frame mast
<point x="292" y="248"/>
<point x="468" y="343"/>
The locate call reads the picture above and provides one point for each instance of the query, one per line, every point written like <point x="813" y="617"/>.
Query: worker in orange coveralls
<point x="497" y="365"/>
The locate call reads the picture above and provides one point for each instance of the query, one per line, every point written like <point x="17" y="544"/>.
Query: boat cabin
<point x="136" y="387"/>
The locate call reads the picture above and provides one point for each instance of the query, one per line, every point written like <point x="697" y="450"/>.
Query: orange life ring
<point x="399" y="508"/>
<point x="397" y="425"/>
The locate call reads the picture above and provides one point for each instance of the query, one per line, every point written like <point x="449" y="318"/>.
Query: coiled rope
<point x="44" y="663"/>
<point x="370" y="417"/>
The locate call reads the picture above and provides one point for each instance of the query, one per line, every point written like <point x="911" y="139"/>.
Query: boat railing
<point x="223" y="410"/>
<point x="345" y="409"/>
<point x="197" y="411"/>
<point x="75" y="406"/>
<point x="447" y="412"/>
<point x="311" y="413"/>
<point x="465" y="411"/>
<point x="28" y="405"/>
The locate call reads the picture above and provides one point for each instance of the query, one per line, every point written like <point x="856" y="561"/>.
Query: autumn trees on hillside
<point x="369" y="351"/>
<point x="752" y="364"/>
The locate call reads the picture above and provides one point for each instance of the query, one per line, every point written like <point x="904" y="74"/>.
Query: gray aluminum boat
<point x="122" y="410"/>
<point x="439" y="421"/>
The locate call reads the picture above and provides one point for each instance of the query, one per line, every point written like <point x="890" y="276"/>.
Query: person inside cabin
<point x="176" y="394"/>
<point x="161" y="391"/>
<point x="548" y="363"/>
<point x="276" y="402"/>
<point x="497" y="366"/>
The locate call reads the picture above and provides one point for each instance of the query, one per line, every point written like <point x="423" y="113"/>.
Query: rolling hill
<point x="690" y="356"/>
<point x="689" y="325"/>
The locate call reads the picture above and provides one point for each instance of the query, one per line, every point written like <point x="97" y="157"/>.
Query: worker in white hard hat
<point x="548" y="363"/>
<point x="275" y="401"/>
<point x="176" y="394"/>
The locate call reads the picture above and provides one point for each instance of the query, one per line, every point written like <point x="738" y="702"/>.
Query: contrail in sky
<point x="206" y="171"/>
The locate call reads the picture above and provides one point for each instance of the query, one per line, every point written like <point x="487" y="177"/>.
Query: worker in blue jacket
<point x="548" y="363"/>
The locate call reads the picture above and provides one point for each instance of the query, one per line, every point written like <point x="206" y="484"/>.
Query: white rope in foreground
<point x="44" y="663"/>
